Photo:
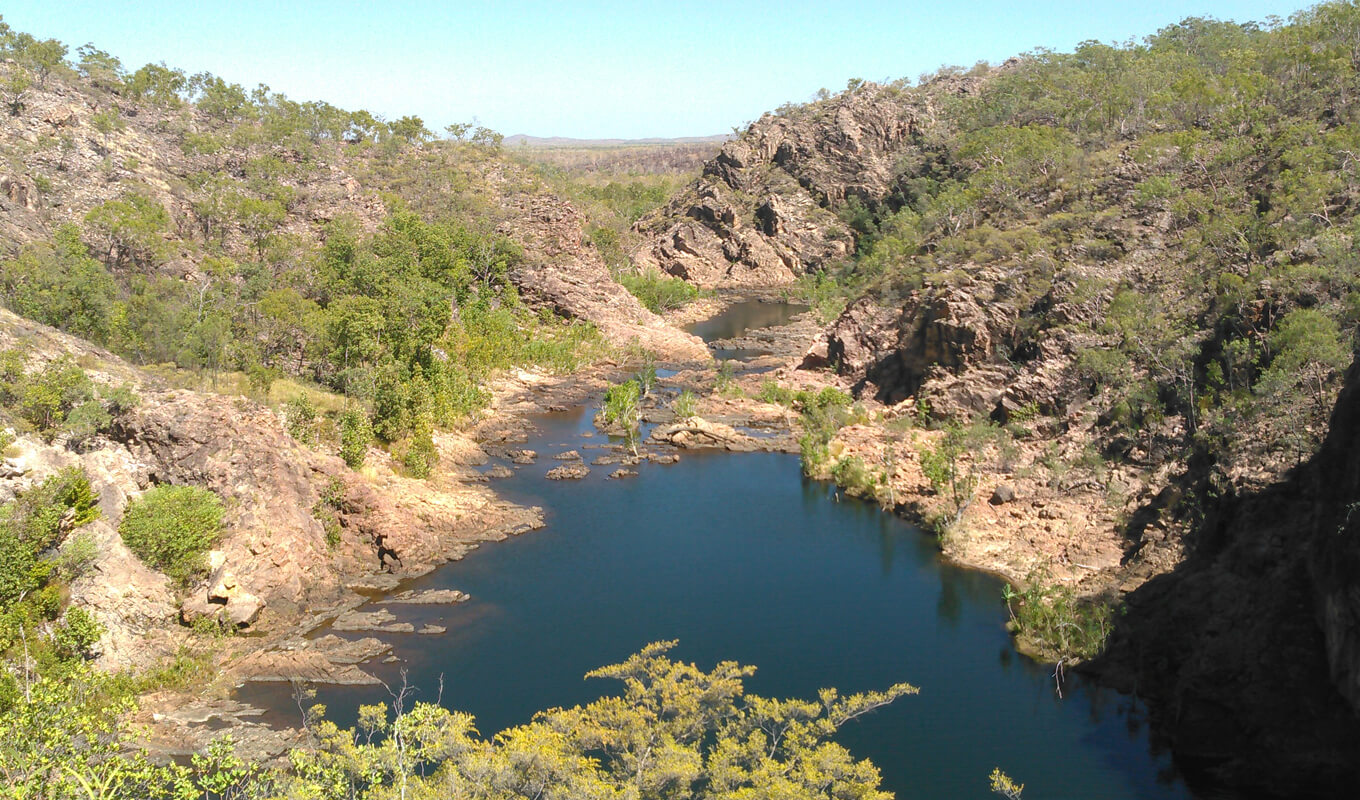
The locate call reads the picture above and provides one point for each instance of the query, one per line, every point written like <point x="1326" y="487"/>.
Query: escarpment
<point x="1249" y="650"/>
<point x="764" y="211"/>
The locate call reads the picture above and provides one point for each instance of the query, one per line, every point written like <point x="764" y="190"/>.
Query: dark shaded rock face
<point x="893" y="351"/>
<point x="1249" y="652"/>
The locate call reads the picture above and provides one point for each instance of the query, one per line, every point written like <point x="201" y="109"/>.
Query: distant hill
<point x="525" y="140"/>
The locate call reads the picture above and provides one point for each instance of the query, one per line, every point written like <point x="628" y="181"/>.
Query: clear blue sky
<point x="588" y="69"/>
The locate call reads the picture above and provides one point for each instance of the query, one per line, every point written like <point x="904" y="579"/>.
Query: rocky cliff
<point x="274" y="564"/>
<point x="764" y="210"/>
<point x="1249" y="650"/>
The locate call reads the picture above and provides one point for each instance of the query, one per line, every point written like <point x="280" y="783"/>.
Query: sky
<point x="588" y="69"/>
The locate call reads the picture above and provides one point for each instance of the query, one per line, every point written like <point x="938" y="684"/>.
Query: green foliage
<point x="621" y="410"/>
<point x="129" y="231"/>
<point x="171" y="528"/>
<point x="356" y="434"/>
<point x="946" y="465"/>
<point x="821" y="415"/>
<point x="659" y="293"/>
<point x="852" y="475"/>
<point x="675" y="731"/>
<point x="32" y="524"/>
<point x="1054" y="621"/>
<point x="49" y="396"/>
<point x="77" y="634"/>
<point x="60" y="285"/>
<point x="685" y="405"/>
<point x="326" y="511"/>
<point x="300" y="415"/>
<point x="421" y="457"/>
<point x="1308" y="344"/>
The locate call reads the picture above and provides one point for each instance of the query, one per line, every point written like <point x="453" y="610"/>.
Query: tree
<point x="1308" y="350"/>
<point x="944" y="466"/>
<point x="158" y="84"/>
<point x="410" y="129"/>
<point x="131" y="230"/>
<point x="102" y="70"/>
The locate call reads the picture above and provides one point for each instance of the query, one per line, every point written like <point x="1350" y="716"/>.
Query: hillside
<point x="1088" y="318"/>
<point x="1092" y="304"/>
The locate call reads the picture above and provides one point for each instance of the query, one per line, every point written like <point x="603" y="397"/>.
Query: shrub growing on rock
<point x="171" y="528"/>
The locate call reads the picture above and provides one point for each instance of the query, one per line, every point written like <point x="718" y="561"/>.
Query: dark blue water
<point x="740" y="558"/>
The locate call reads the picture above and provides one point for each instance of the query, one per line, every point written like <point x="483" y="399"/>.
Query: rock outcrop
<point x="763" y="211"/>
<point x="564" y="273"/>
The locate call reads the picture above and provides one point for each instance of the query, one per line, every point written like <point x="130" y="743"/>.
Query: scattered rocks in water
<point x="391" y="660"/>
<point x="428" y="597"/>
<point x="698" y="433"/>
<point x="570" y="455"/>
<point x="499" y="472"/>
<point x="623" y="473"/>
<point x="431" y="630"/>
<point x="625" y="460"/>
<point x="663" y="458"/>
<point x="568" y="472"/>
<point x="380" y="620"/>
<point x="522" y="456"/>
<point x="1002" y="494"/>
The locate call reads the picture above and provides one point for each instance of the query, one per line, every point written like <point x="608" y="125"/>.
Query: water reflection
<point x="739" y="559"/>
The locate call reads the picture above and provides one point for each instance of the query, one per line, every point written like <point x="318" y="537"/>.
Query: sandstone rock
<point x="563" y="273"/>
<point x="1001" y="495"/>
<point x="698" y="433"/>
<point x="800" y="168"/>
<point x="427" y="597"/>
<point x="568" y="472"/>
<point x="380" y="621"/>
<point x="499" y="472"/>
<point x="622" y="473"/>
<point x="570" y="455"/>
<point x="243" y="609"/>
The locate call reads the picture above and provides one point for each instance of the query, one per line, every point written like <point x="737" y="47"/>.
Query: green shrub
<point x="772" y="392"/>
<point x="356" y="434"/>
<point x="301" y="416"/>
<point x="686" y="405"/>
<point x="171" y="528"/>
<point x="621" y="409"/>
<point x="326" y="509"/>
<point x="659" y="293"/>
<point x="31" y="524"/>
<point x="77" y="634"/>
<point x="46" y="397"/>
<point x="1054" y="621"/>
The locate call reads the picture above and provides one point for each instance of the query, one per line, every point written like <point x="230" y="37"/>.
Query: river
<point x="739" y="557"/>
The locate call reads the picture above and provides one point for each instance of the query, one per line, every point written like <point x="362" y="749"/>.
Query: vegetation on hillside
<point x="1178" y="214"/>
<point x="405" y="315"/>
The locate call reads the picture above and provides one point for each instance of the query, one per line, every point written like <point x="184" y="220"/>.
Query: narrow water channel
<point x="739" y="557"/>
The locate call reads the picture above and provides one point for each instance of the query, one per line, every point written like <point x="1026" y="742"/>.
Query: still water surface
<point x="740" y="558"/>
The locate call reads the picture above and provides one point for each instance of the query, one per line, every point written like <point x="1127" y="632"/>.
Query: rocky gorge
<point x="1106" y="360"/>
